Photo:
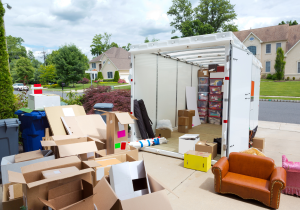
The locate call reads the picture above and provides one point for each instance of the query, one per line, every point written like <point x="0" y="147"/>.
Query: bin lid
<point x="35" y="114"/>
<point x="103" y="106"/>
<point x="10" y="122"/>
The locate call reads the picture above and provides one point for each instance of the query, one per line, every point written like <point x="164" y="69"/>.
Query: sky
<point x="49" y="24"/>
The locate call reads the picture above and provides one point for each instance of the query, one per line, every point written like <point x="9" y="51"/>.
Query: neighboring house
<point x="114" y="59"/>
<point x="263" y="43"/>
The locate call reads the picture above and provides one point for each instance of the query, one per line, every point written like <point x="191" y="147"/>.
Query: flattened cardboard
<point x="28" y="156"/>
<point x="55" y="172"/>
<point x="163" y="133"/>
<point x="203" y="146"/>
<point x="55" y="113"/>
<point x="77" y="149"/>
<point x="10" y="204"/>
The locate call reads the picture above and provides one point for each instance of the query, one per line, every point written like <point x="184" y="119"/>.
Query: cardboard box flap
<point x="49" y="164"/>
<point x="105" y="197"/>
<point x="202" y="154"/>
<point x="47" y="203"/>
<point x="201" y="143"/>
<point x="157" y="201"/>
<point x="59" y="177"/>
<point x="64" y="189"/>
<point x="28" y="156"/>
<point x="133" y="117"/>
<point x="155" y="185"/>
<point x="97" y="140"/>
<point x="48" y="143"/>
<point x="65" y="141"/>
<point x="16" y="177"/>
<point x="64" y="137"/>
<point x="124" y="118"/>
<point x="91" y="163"/>
<point x="77" y="149"/>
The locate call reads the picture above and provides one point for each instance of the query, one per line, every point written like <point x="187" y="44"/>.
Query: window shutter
<point x="268" y="66"/>
<point x="299" y="67"/>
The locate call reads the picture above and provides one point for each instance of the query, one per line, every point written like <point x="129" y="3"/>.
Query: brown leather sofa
<point x="250" y="177"/>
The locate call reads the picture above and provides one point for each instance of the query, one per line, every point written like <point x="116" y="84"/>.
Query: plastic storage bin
<point x="202" y="103"/>
<point x="202" y="111"/>
<point x="203" y="88"/>
<point x="203" y="80"/>
<point x="33" y="127"/>
<point x="215" y="97"/>
<point x="214" y="113"/>
<point x="215" y="89"/>
<point x="216" y="82"/>
<point x="9" y="137"/>
<point x="203" y="96"/>
<point x="215" y="120"/>
<point x="203" y="119"/>
<point x="215" y="105"/>
<point x="108" y="107"/>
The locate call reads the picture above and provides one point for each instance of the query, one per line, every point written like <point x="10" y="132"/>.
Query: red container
<point x="220" y="69"/>
<point x="202" y="103"/>
<point x="215" y="112"/>
<point x="215" y="105"/>
<point x="203" y="96"/>
<point x="215" y="97"/>
<point x="203" y="119"/>
<point x="215" y="81"/>
<point x="215" y="89"/>
<point x="202" y="111"/>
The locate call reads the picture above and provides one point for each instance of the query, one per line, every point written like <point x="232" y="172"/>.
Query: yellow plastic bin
<point x="200" y="161"/>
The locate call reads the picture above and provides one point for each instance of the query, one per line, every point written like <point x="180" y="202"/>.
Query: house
<point x="114" y="59"/>
<point x="263" y="43"/>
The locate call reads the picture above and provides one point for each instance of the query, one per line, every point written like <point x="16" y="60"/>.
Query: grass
<point x="280" y="98"/>
<point x="287" y="88"/>
<point x="80" y="86"/>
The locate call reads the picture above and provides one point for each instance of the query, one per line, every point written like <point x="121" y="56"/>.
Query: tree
<point x="182" y="11"/>
<point x="127" y="48"/>
<point x="113" y="44"/>
<point x="24" y="70"/>
<point x="291" y="23"/>
<point x="195" y="28"/>
<point x="100" y="75"/>
<point x="35" y="63"/>
<point x="70" y="63"/>
<point x="174" y="37"/>
<point x="230" y="27"/>
<point x="47" y="73"/>
<point x="116" y="76"/>
<point x="153" y="40"/>
<point x="15" y="48"/>
<point x="100" y="44"/>
<point x="279" y="64"/>
<point x="50" y="57"/>
<point x="7" y="107"/>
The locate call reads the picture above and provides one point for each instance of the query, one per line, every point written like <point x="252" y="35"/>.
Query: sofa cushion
<point x="251" y="165"/>
<point x="246" y="187"/>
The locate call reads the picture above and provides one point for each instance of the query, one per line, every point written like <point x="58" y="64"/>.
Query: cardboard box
<point x="117" y="130"/>
<point x="8" y="163"/>
<point x="56" y="172"/>
<point x="259" y="143"/>
<point x="34" y="186"/>
<point x="85" y="125"/>
<point x="9" y="204"/>
<point x="187" y="142"/>
<point x="203" y="73"/>
<point x="74" y="195"/>
<point x="191" y="115"/>
<point x="40" y="101"/>
<point x="203" y="146"/>
<point x="28" y="156"/>
<point x="183" y="113"/>
<point x="183" y="128"/>
<point x="15" y="191"/>
<point x="200" y="161"/>
<point x="69" y="145"/>
<point x="163" y="133"/>
<point x="183" y="121"/>
<point x="130" y="150"/>
<point x="55" y="113"/>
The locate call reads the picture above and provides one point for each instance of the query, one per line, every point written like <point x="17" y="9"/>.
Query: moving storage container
<point x="203" y="103"/>
<point x="215" y="120"/>
<point x="215" y="105"/>
<point x="203" y="119"/>
<point x="214" y="113"/>
<point x="203" y="96"/>
<point x="172" y="68"/>
<point x="203" y="88"/>
<point x="204" y="80"/>
<point x="202" y="111"/>
<point x="215" y="89"/>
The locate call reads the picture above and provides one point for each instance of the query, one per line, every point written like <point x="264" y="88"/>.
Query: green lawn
<point x="287" y="88"/>
<point x="280" y="98"/>
<point x="81" y="86"/>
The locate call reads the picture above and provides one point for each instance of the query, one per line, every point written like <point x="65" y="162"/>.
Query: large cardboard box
<point x="187" y="142"/>
<point x="74" y="195"/>
<point x="130" y="150"/>
<point x="56" y="172"/>
<point x="15" y="191"/>
<point x="8" y="163"/>
<point x="183" y="113"/>
<point x="69" y="145"/>
<point x="22" y="157"/>
<point x="117" y="130"/>
<point x="183" y="121"/>
<point x="55" y="113"/>
<point x="203" y="146"/>
<point x="200" y="161"/>
<point x="8" y="204"/>
<point x="163" y="132"/>
<point x="203" y="73"/>
<point x="191" y="115"/>
<point x="183" y="128"/>
<point x="35" y="186"/>
<point x="259" y="143"/>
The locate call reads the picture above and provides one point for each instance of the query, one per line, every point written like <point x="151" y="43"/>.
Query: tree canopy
<point x="195" y="27"/>
<point x="15" y="48"/>
<point x="290" y="22"/>
<point x="24" y="70"/>
<point x="100" y="44"/>
<point x="127" y="48"/>
<point x="153" y="40"/>
<point x="47" y="73"/>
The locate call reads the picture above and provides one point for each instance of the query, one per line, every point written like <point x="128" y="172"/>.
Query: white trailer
<point x="161" y="71"/>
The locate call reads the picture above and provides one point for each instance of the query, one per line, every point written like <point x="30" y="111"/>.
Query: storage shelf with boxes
<point x="221" y="71"/>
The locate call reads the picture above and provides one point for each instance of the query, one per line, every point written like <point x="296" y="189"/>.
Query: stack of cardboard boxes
<point x="93" y="167"/>
<point x="185" y="120"/>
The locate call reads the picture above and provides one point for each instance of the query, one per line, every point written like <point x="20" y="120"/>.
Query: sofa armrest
<point x="220" y="169"/>
<point x="277" y="183"/>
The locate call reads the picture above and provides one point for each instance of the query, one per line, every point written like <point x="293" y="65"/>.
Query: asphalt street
<point x="64" y="95"/>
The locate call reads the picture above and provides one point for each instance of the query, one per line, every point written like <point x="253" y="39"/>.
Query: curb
<point x="280" y="100"/>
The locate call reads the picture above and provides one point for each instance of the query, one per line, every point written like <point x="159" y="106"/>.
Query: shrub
<point x="274" y="77"/>
<point x="73" y="98"/>
<point x="116" y="76"/>
<point x="93" y="90"/>
<point x="100" y="76"/>
<point x="279" y="64"/>
<point x="263" y="76"/>
<point x="288" y="78"/>
<point x="121" y="81"/>
<point x="46" y="86"/>
<point x="108" y="80"/>
<point x="293" y="78"/>
<point x="55" y="85"/>
<point x="21" y="100"/>
<point x="269" y="76"/>
<point x="84" y="81"/>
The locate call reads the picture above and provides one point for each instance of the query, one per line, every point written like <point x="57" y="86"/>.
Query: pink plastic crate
<point x="202" y="103"/>
<point x="203" y="88"/>
<point x="215" y="105"/>
<point x="215" y="120"/>
<point x="215" y="89"/>
<point x="202" y="111"/>
<point x="203" y="96"/>
<point x="214" y="113"/>
<point x="215" y="97"/>
<point x="203" y="119"/>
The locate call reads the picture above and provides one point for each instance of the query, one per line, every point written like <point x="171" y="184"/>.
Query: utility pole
<point x="44" y="56"/>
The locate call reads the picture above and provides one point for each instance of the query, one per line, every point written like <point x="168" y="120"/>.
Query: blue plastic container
<point x="107" y="107"/>
<point x="33" y="127"/>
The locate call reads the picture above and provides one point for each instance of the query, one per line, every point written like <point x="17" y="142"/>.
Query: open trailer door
<point x="239" y="101"/>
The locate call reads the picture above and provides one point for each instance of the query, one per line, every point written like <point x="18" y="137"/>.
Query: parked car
<point x="20" y="86"/>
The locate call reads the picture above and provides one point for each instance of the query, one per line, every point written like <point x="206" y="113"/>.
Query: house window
<point x="252" y="49"/>
<point x="251" y="38"/>
<point x="109" y="75"/>
<point x="268" y="66"/>
<point x="94" y="65"/>
<point x="277" y="46"/>
<point x="299" y="67"/>
<point x="268" y="48"/>
<point x="108" y="62"/>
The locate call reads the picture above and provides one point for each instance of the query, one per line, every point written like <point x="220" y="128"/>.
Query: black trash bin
<point x="9" y="137"/>
<point x="106" y="107"/>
